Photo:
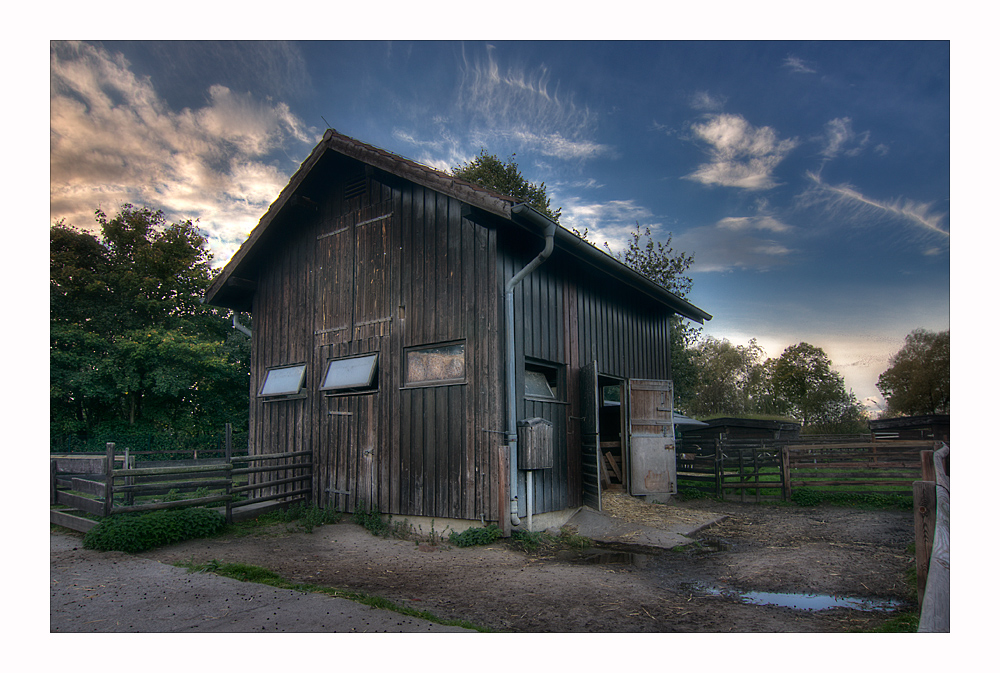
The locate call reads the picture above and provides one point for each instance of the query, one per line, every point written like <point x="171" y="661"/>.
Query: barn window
<point x="541" y="380"/>
<point x="434" y="365"/>
<point x="351" y="374"/>
<point x="283" y="380"/>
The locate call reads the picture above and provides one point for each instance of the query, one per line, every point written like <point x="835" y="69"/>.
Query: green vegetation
<point x="476" y="536"/>
<point x="133" y="533"/>
<point x="249" y="573"/>
<point x="901" y="622"/>
<point x="504" y="177"/>
<point x="917" y="381"/>
<point x="132" y="348"/>
<point x="373" y="522"/>
<point x="808" y="497"/>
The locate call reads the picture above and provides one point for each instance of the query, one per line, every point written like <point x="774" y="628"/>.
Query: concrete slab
<point x="610" y="530"/>
<point x="95" y="592"/>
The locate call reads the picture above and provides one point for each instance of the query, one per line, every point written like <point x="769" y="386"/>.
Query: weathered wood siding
<point x="567" y="314"/>
<point x="378" y="265"/>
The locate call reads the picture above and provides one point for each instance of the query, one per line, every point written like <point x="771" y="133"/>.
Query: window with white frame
<point x="286" y="380"/>
<point x="351" y="374"/>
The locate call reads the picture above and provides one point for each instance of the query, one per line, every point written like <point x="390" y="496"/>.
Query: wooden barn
<point x="444" y="351"/>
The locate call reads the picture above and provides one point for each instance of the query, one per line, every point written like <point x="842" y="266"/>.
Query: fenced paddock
<point x="761" y="470"/>
<point x="101" y="486"/>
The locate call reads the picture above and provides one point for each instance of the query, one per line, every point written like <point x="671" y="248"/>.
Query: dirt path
<point x="760" y="548"/>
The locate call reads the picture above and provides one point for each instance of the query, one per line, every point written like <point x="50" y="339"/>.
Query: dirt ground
<point x="756" y="548"/>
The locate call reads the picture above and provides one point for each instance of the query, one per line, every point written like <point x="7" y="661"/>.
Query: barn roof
<point x="234" y="285"/>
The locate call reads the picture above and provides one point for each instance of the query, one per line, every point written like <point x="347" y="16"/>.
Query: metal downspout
<point x="550" y="231"/>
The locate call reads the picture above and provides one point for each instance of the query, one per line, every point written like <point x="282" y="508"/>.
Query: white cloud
<point x="737" y="243"/>
<point x="796" y="64"/>
<point x="741" y="155"/>
<point x="610" y="222"/>
<point x="848" y="203"/>
<point x="114" y="140"/>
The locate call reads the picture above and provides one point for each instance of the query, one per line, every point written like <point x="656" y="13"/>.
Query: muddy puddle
<point x="804" y="601"/>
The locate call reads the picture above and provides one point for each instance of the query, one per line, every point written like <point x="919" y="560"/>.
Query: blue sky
<point x="810" y="180"/>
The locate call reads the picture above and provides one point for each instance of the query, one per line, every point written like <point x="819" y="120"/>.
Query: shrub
<point x="372" y="520"/>
<point x="133" y="533"/>
<point x="526" y="540"/>
<point x="475" y="536"/>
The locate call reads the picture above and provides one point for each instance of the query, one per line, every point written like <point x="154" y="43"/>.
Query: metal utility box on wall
<point x="534" y="440"/>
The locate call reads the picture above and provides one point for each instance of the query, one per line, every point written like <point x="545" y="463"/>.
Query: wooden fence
<point x="748" y="468"/>
<point x="932" y="521"/>
<point x="102" y="486"/>
<point x="773" y="470"/>
<point x="879" y="467"/>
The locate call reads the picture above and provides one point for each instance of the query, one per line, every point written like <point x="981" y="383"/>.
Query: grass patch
<point x="902" y="622"/>
<point x="808" y="497"/>
<point x="258" y="575"/>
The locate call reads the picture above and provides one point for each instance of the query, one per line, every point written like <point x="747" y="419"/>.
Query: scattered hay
<point x="633" y="510"/>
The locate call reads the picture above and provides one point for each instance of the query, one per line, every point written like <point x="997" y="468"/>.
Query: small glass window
<point x="436" y="364"/>
<point x="351" y="373"/>
<point x="283" y="380"/>
<point x="537" y="385"/>
<point x="541" y="381"/>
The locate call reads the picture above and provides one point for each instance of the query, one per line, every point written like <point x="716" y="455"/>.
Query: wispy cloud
<point x="740" y="154"/>
<point x="796" y="64"/>
<point x="839" y="138"/>
<point x="849" y="204"/>
<point x="737" y="243"/>
<point x="702" y="100"/>
<point x="610" y="222"/>
<point x="113" y="140"/>
<point x="524" y="106"/>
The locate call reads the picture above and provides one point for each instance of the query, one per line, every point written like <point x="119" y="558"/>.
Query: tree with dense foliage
<point x="803" y="377"/>
<point x="917" y="381"/>
<point x="504" y="177"/>
<point x="131" y="344"/>
<point x="730" y="378"/>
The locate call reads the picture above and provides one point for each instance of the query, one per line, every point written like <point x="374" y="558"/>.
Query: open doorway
<point x="613" y="456"/>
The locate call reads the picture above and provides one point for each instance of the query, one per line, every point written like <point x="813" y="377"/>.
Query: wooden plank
<point x="190" y="502"/>
<point x="81" y="503"/>
<point x="614" y="465"/>
<point x="67" y="520"/>
<point x="90" y="487"/>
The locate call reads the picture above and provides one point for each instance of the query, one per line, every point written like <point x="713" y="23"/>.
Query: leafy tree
<point x="917" y="380"/>
<point x="504" y="177"/>
<point x="731" y="378"/>
<point x="804" y="379"/>
<point x="656" y="260"/>
<point x="131" y="345"/>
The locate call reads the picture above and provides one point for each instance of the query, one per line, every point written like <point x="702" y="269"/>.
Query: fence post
<point x="718" y="468"/>
<point x="229" y="472"/>
<point x="109" y="477"/>
<point x="786" y="474"/>
<point x="927" y="465"/>
<point x="924" y="522"/>
<point x="52" y="481"/>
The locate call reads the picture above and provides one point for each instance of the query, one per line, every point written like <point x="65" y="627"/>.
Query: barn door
<point x="652" y="457"/>
<point x="590" y="432"/>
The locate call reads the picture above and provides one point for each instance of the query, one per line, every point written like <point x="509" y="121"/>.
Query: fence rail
<point x="774" y="469"/>
<point x="114" y="484"/>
